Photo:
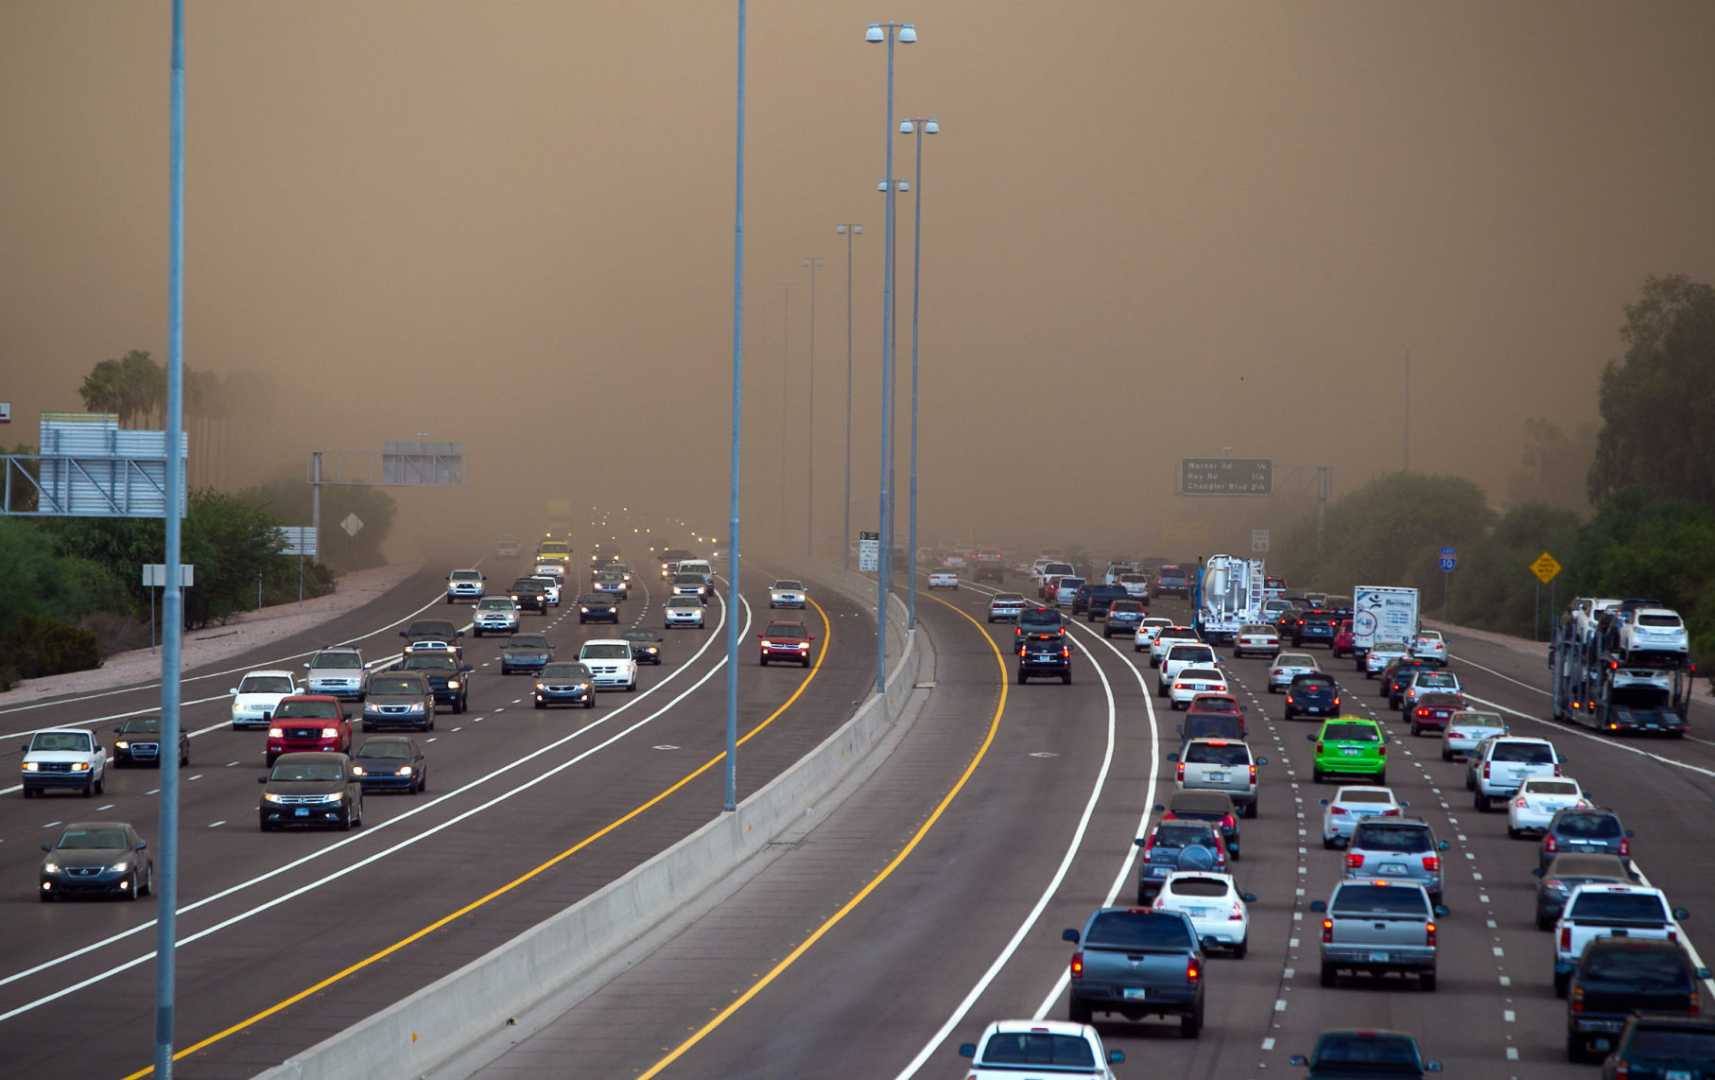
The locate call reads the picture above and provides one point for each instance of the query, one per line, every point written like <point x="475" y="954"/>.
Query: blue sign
<point x="1449" y="559"/>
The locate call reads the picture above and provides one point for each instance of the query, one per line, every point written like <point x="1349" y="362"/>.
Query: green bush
<point x="36" y="645"/>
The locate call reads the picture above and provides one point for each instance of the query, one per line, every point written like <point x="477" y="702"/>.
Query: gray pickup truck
<point x="1374" y="927"/>
<point x="1137" y="963"/>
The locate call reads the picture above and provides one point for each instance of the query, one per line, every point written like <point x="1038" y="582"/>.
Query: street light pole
<point x="917" y="127"/>
<point x="785" y="396"/>
<point x="850" y="232"/>
<point x="889" y="33"/>
<point x="812" y="263"/>
<point x="730" y="799"/>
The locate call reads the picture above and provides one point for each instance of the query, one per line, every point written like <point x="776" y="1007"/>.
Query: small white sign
<point x="155" y="575"/>
<point x="298" y="540"/>
<point x="5" y="412"/>
<point x="1259" y="541"/>
<point x="352" y="524"/>
<point x="869" y="552"/>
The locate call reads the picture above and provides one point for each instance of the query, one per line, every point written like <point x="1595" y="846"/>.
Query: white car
<point x="555" y="570"/>
<point x="550" y="588"/>
<point x="1136" y="586"/>
<point x="1350" y="805"/>
<point x="1111" y="576"/>
<point x="1654" y="631"/>
<point x="1214" y="904"/>
<point x="337" y="671"/>
<point x="1503" y="763"/>
<point x="610" y="663"/>
<point x="1258" y="638"/>
<point x="1006" y="607"/>
<point x="1189" y="681"/>
<point x="696" y="566"/>
<point x="464" y="585"/>
<point x="683" y="611"/>
<point x="1466" y="730"/>
<point x="1166" y="638"/>
<point x="1147" y="631"/>
<point x="1381" y="654"/>
<point x="1429" y="645"/>
<point x="1067" y="591"/>
<point x="787" y="593"/>
<point x="1288" y="666"/>
<point x="1020" y="1049"/>
<point x="257" y="695"/>
<point x="944" y="578"/>
<point x="495" y="615"/>
<point x="1538" y="800"/>
<point x="63" y="758"/>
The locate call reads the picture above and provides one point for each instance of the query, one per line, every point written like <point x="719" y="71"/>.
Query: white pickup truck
<point x="64" y="758"/>
<point x="1604" y="909"/>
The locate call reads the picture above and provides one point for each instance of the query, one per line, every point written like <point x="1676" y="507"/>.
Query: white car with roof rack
<point x="610" y="662"/>
<point x="1021" y="1049"/>
<point x="787" y="593"/>
<point x="465" y="585"/>
<point x="258" y="694"/>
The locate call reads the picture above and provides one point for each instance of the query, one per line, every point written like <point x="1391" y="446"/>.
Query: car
<point x="645" y="645"/>
<point x="598" y="607"/>
<point x="1352" y="805"/>
<point x="307" y="722"/>
<point x="1205" y="722"/>
<point x="1358" y="1054"/>
<point x="1147" y="631"/>
<point x="1466" y="730"/>
<point x="1172" y="580"/>
<point x="1621" y="981"/>
<point x="1653" y="635"/>
<point x="1066" y="590"/>
<point x="465" y="585"/>
<point x="1350" y="746"/>
<point x="1598" y="910"/>
<point x="258" y="694"/>
<point x="691" y="585"/>
<point x="682" y="611"/>
<point x="1274" y="610"/>
<point x="432" y="636"/>
<point x="990" y="570"/>
<point x="1315" y="626"/>
<point x="1005" y="607"/>
<point x="1094" y="601"/>
<point x="550" y="588"/>
<point x="63" y="758"/>
<point x="1214" y="807"/>
<point x="137" y="741"/>
<point x="1434" y="711"/>
<point x="1044" y="655"/>
<point x="106" y="857"/>
<point x="1377" y="926"/>
<point x="1051" y="568"/>
<point x="1214" y="905"/>
<point x="495" y="615"/>
<point x="1398" y="676"/>
<point x="529" y="594"/>
<point x="1011" y="1048"/>
<point x="1429" y="645"/>
<point x="787" y="593"/>
<point x="1313" y="695"/>
<point x="610" y="663"/>
<point x="339" y="672"/>
<point x="1111" y="576"/>
<point x="556" y="551"/>
<point x="1137" y="964"/>
<point x="1136" y="586"/>
<point x="1397" y="849"/>
<point x="1379" y="656"/>
<point x="701" y="568"/>
<point x="1037" y="624"/>
<point x="1256" y="639"/>
<point x="1585" y="830"/>
<point x="1653" y="1044"/>
<point x="1538" y="799"/>
<point x="1424" y="681"/>
<point x="449" y="679"/>
<point x="944" y="578"/>
<point x="554" y="570"/>
<point x="507" y="547"/>
<point x="670" y="557"/>
<point x="399" y="699"/>
<point x="1179" y="655"/>
<point x="612" y="583"/>
<point x="525" y="652"/>
<point x="1224" y="765"/>
<point x="623" y="570"/>
<point x="1345" y="641"/>
<point x="311" y="789"/>
<point x="391" y="763"/>
<point x="565" y="683"/>
<point x="784" y="640"/>
<point x="1181" y="844"/>
<point x="1501" y="764"/>
<point x="1122" y="617"/>
<point x="1565" y="873"/>
<point x="1289" y="666"/>
<point x="1190" y="681"/>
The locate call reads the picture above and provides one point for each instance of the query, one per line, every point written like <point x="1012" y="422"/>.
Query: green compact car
<point x="1350" y="746"/>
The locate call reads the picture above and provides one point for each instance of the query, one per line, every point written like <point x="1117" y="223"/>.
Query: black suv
<point x="311" y="789"/>
<point x="1318" y="626"/>
<point x="1312" y="695"/>
<point x="1037" y="624"/>
<point x="1093" y="600"/>
<point x="448" y="678"/>
<point x="530" y="595"/>
<point x="1044" y="656"/>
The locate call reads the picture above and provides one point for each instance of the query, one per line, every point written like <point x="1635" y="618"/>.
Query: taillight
<point x="1336" y="703"/>
<point x="1065" y="651"/>
<point x="1181" y="686"/>
<point x="1552" y="883"/>
<point x="1340" y="810"/>
<point x="1253" y="780"/>
<point x="1327" y="931"/>
<point x="1229" y="822"/>
<point x="1693" y="1006"/>
<point x="1429" y="933"/>
<point x="1193" y="971"/>
<point x="1577" y="999"/>
<point x="1432" y="863"/>
<point x="1521" y="804"/>
<point x="1485" y="770"/>
<point x="1289" y="699"/>
<point x="1422" y="710"/>
<point x="1078" y="964"/>
<point x="1238" y="914"/>
<point x="1556" y="770"/>
<point x="1550" y="844"/>
<point x="1625" y="847"/>
<point x="1318" y="747"/>
<point x="1392" y="811"/>
<point x="1148" y="844"/>
<point x="1354" y="861"/>
<point x="1565" y="939"/>
<point x="1180" y="771"/>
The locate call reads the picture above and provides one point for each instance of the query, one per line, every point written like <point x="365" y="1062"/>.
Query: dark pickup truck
<point x="1137" y="963"/>
<point x="530" y="595"/>
<point x="1093" y="600"/>
<point x="1619" y="976"/>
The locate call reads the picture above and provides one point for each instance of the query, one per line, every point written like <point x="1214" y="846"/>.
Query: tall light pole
<point x="730" y="800"/>
<point x="917" y="127"/>
<point x="785" y="398"/>
<point x="811" y="263"/>
<point x="889" y="33"/>
<point x="850" y="231"/>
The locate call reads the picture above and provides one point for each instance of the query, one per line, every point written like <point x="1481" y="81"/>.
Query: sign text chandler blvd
<point x="1226" y="476"/>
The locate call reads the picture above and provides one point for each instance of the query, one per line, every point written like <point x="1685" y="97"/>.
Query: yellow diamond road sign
<point x="1546" y="567"/>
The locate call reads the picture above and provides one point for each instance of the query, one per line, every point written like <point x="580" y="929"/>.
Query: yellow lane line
<point x="834" y="920"/>
<point x="638" y="811"/>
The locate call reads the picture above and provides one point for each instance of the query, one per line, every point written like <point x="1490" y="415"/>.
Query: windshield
<point x="1549" y="787"/>
<point x="685" y="603"/>
<point x="1059" y="568"/>
<point x="385" y="748"/>
<point x="93" y="839"/>
<point x="1658" y="620"/>
<point x="553" y="547"/>
<point x="687" y="579"/>
<point x="1478" y="720"/>
<point x="1197" y="886"/>
<point x="1349" y="733"/>
<point x="383" y="685"/>
<point x="1620" y="907"/>
<point x="336" y="661"/>
<point x="495" y="603"/>
<point x="793" y="585"/>
<point x="265" y="684"/>
<point x="1436" y="680"/>
<point x="1131" y="930"/>
<point x="444" y="630"/>
<point x="1523" y="753"/>
<point x="1295" y="660"/>
<point x="1169" y="835"/>
<point x="1122" y="607"/>
<point x="431" y="663"/>
<point x="1192" y="653"/>
<point x="605" y="652"/>
<point x="523" y="641"/>
<point x="307" y="710"/>
<point x="1388" y="1051"/>
<point x="1203" y="674"/>
<point x="565" y="671"/>
<point x="146" y="726"/>
<point x="1008" y="598"/>
<point x="1403" y="838"/>
<point x="791" y="630"/>
<point x="1072" y="583"/>
<point x="1314" y="684"/>
<point x="1214" y="754"/>
<point x="1381" y="797"/>
<point x="1645" y="969"/>
<point x="1383" y="899"/>
<point x="465" y="575"/>
<point x="308" y="770"/>
<point x="1588" y="826"/>
<point x="1037" y="1048"/>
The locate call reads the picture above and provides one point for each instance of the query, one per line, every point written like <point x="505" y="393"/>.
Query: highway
<point x="933" y="901"/>
<point x="288" y="937"/>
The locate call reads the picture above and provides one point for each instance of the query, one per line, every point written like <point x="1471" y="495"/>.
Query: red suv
<point x="1345" y="642"/>
<point x="308" y="722"/>
<point x="784" y="641"/>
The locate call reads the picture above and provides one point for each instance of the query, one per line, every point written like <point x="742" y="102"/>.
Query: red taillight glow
<point x="1485" y="770"/>
<point x="1193" y="971"/>
<point x="1565" y="939"/>
<point x="1229" y="822"/>
<point x="1354" y="861"/>
<point x="1289" y="699"/>
<point x="1521" y="804"/>
<point x="1392" y="811"/>
<point x="1179" y="773"/>
<point x="1577" y="999"/>
<point x="1336" y="703"/>
<point x="1429" y="933"/>
<point x="1625" y="847"/>
<point x="1318" y="747"/>
<point x="1557" y="770"/>
<point x="1549" y="843"/>
<point x="1327" y="931"/>
<point x="1432" y="863"/>
<point x="1238" y="914"/>
<point x="1339" y="810"/>
<point x="1423" y="710"/>
<point x="1253" y="780"/>
<point x="1078" y="964"/>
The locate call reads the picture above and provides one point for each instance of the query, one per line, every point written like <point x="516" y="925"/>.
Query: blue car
<point x="1124" y="617"/>
<point x="565" y="683"/>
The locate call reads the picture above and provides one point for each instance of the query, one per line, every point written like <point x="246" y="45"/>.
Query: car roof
<point x="1049" y="1027"/>
<point x="607" y="641"/>
<point x="332" y="649"/>
<point x="309" y="697"/>
<point x="278" y="672"/>
<point x="311" y="755"/>
<point x="1578" y="864"/>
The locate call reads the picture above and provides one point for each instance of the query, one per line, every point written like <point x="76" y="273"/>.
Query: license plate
<point x="1197" y="912"/>
<point x="300" y="812"/>
<point x="1349" y="752"/>
<point x="1394" y="868"/>
<point x="1378" y="958"/>
<point x="1135" y="994"/>
<point x="1678" y="1074"/>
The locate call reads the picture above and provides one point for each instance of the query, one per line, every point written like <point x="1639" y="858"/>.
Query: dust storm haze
<point x="1151" y="230"/>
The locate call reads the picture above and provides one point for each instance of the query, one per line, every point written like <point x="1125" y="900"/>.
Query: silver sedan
<point x="1288" y="666"/>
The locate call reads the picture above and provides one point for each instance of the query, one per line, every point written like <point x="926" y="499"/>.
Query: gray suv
<point x="1224" y="765"/>
<point x="1397" y="849"/>
<point x="338" y="672"/>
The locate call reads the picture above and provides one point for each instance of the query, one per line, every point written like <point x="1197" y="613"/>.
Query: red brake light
<point x="1065" y="651"/>
<point x="1338" y="810"/>
<point x="1229" y="822"/>
<point x="1150" y="843"/>
<point x="1432" y="863"/>
<point x="1557" y="770"/>
<point x="1318" y="746"/>
<point x="1392" y="811"/>
<point x="1429" y="933"/>
<point x="1336" y="703"/>
<point x="1577" y="999"/>
<point x="1521" y="804"/>
<point x="1193" y="971"/>
<point x="1549" y="843"/>
<point x="1423" y="710"/>
<point x="1238" y="914"/>
<point x="1180" y="771"/>
<point x="1625" y="847"/>
<point x="1327" y="931"/>
<point x="1253" y="780"/>
<point x="1485" y="770"/>
<point x="1565" y="939"/>
<point x="1354" y="861"/>
<point x="1078" y="964"/>
<point x="1289" y="699"/>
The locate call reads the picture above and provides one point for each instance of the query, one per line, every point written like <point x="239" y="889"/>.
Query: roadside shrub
<point x="38" y="645"/>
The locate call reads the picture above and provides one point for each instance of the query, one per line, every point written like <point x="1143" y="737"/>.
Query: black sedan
<point x="598" y="607"/>
<point x="530" y="595"/>
<point x="645" y="645"/>
<point x="1312" y="696"/>
<point x="565" y="683"/>
<point x="311" y="789"/>
<point x="138" y="742"/>
<point x="106" y="857"/>
<point x="391" y="763"/>
<point x="525" y="652"/>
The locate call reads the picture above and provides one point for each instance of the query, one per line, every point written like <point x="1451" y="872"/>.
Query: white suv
<point x="610" y="663"/>
<point x="465" y="585"/>
<point x="1503" y="763"/>
<point x="64" y="758"/>
<point x="257" y="695"/>
<point x="1657" y="631"/>
<point x="1179" y="656"/>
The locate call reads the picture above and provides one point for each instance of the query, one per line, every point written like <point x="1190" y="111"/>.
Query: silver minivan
<point x="1224" y="765"/>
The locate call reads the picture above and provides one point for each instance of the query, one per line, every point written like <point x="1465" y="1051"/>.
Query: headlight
<point x="416" y="706"/>
<point x="370" y="706"/>
<point x="357" y="770"/>
<point x="31" y="766"/>
<point x="768" y="644"/>
<point x="585" y="610"/>
<point x="270" y="797"/>
<point x="80" y="766"/>
<point x="653" y="650"/>
<point x="276" y="733"/>
<point x="121" y="745"/>
<point x="330" y="733"/>
<point x="541" y="686"/>
<point x="50" y="868"/>
<point x="452" y="684"/>
<point x="404" y="770"/>
<point x="120" y="867"/>
<point x="335" y="797"/>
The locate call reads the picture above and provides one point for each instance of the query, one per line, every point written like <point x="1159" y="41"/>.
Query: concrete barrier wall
<point x="415" y="1035"/>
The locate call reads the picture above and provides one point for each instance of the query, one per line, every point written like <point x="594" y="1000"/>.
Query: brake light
<point x="1423" y="710"/>
<point x="1354" y="861"/>
<point x="1253" y="780"/>
<point x="1549" y="843"/>
<point x="1193" y="971"/>
<point x="1318" y="746"/>
<point x="1238" y="914"/>
<point x="1392" y="811"/>
<point x="1693" y="1006"/>
<point x="1432" y="863"/>
<point x="1577" y="999"/>
<point x="1341" y="810"/>
<point x="1565" y="939"/>
<point x="1625" y="847"/>
<point x="1148" y="844"/>
<point x="1485" y="770"/>
<point x="1327" y="931"/>
<point x="1078" y="964"/>
<point x="1336" y="703"/>
<point x="1181" y="686"/>
<point x="1557" y="769"/>
<point x="1229" y="822"/>
<point x="1289" y="699"/>
<point x="1429" y="933"/>
<point x="1180" y="771"/>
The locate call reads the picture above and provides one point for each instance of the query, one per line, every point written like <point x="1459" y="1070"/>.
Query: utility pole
<point x="785" y="398"/>
<point x="813" y="263"/>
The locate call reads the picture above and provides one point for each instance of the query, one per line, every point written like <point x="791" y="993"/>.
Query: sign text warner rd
<point x="1226" y="476"/>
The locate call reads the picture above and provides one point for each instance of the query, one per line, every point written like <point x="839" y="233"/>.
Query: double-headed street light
<point x="889" y="34"/>
<point x="917" y="127"/>
<point x="850" y="231"/>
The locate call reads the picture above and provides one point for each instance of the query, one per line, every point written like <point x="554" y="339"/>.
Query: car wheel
<point x="1480" y="802"/>
<point x="1242" y="950"/>
<point x="1543" y="922"/>
<point x="1470" y="781"/>
<point x="1191" y="1024"/>
<point x="1022" y="677"/>
<point x="1066" y="678"/>
<point x="135" y="892"/>
<point x="1251" y="808"/>
<point x="185" y="758"/>
<point x="632" y="686"/>
<point x="1328" y="843"/>
<point x="89" y="789"/>
<point x="1330" y="976"/>
<point x="431" y="726"/>
<point x="1574" y="1044"/>
<point x="1416" y="731"/>
<point x="1561" y="982"/>
<point x="1316" y="776"/>
<point x="1446" y="754"/>
<point x="264" y="826"/>
<point x="149" y="881"/>
<point x="1426" y="982"/>
<point x="1512" y="833"/>
<point x="1076" y="1011"/>
<point x="476" y="631"/>
<point x="762" y="661"/>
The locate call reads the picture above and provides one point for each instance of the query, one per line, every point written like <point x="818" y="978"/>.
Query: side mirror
<point x="968" y="1050"/>
<point x="233" y="691"/>
<point x="458" y="633"/>
<point x="1702" y="973"/>
<point x="1443" y="846"/>
<point x="47" y="846"/>
<point x="1323" y="802"/>
<point x="1631" y="834"/>
<point x="1299" y="1060"/>
<point x="142" y="845"/>
<point x="1069" y="935"/>
<point x="1249" y="898"/>
<point x="401" y="634"/>
<point x="1139" y="841"/>
<point x="1261" y="761"/>
<point x="1309" y="738"/>
<point x="1320" y="907"/>
<point x="261" y="779"/>
<point x="1441" y="911"/>
<point x="1116" y="1057"/>
<point x="1432" y="1066"/>
<point x="1159" y="808"/>
<point x="1681" y="914"/>
<point x="1536" y="871"/>
<point x="1404" y="805"/>
<point x="1173" y="756"/>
